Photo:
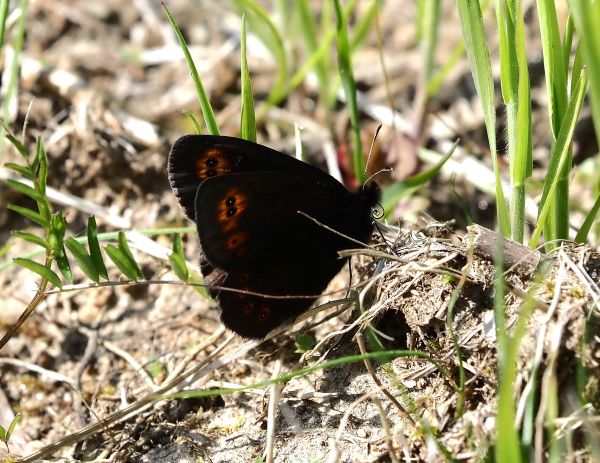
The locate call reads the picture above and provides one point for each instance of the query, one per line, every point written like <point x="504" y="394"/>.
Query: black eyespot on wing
<point x="264" y="314"/>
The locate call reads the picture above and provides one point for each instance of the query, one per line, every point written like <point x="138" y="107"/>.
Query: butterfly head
<point x="370" y="195"/>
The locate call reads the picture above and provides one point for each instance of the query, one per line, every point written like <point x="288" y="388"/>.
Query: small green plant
<point x="566" y="84"/>
<point x="31" y="182"/>
<point x="6" y="433"/>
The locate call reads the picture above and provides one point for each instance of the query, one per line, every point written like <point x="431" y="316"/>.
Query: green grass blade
<point x="319" y="55"/>
<point x="522" y="164"/>
<point x="567" y="44"/>
<point x="207" y="112"/>
<point x="248" y="118"/>
<point x="508" y="61"/>
<point x="556" y="223"/>
<point x="264" y="28"/>
<point x="428" y="22"/>
<point x="440" y="76"/>
<point x="12" y="84"/>
<point x="561" y="151"/>
<point x="399" y="190"/>
<point x="583" y="232"/>
<point x="586" y="16"/>
<point x="40" y="269"/>
<point x="481" y="68"/>
<point x="313" y="61"/>
<point x="514" y="79"/>
<point x="363" y="26"/>
<point x="193" y="119"/>
<point x="308" y="27"/>
<point x="13" y="425"/>
<point x="3" y="18"/>
<point x="554" y="65"/>
<point x="577" y="67"/>
<point x="349" y="85"/>
<point x="106" y="236"/>
<point x="94" y="247"/>
<point x="380" y="356"/>
<point x="507" y="439"/>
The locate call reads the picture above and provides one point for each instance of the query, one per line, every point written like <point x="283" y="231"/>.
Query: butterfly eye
<point x="230" y="201"/>
<point x="377" y="212"/>
<point x="211" y="162"/>
<point x="211" y="172"/>
<point x="249" y="308"/>
<point x="264" y="313"/>
<point x="231" y="212"/>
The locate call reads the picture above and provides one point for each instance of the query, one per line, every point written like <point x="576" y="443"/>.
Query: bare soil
<point x="104" y="84"/>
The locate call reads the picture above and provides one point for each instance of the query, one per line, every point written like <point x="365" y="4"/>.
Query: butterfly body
<point x="262" y="218"/>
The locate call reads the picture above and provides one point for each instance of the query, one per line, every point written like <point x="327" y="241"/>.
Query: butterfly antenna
<point x="371" y="149"/>
<point x="387" y="169"/>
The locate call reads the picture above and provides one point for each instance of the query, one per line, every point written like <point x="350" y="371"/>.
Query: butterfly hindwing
<point x="254" y="314"/>
<point x="244" y="218"/>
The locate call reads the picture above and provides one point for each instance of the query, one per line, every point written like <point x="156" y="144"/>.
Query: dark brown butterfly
<point x="253" y="208"/>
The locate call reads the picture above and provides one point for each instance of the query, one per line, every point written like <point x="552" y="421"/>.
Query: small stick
<point x="519" y="258"/>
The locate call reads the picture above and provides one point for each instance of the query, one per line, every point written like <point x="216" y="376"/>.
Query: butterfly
<point x="260" y="216"/>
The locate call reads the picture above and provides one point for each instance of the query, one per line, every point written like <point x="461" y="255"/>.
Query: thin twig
<point x="273" y="405"/>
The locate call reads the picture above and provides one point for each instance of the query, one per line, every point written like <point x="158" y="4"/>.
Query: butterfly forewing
<point x="195" y="158"/>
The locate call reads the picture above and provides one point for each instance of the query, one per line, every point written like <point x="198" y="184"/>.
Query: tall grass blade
<point x="207" y="112"/>
<point x="585" y="228"/>
<point x="586" y="16"/>
<point x="556" y="224"/>
<point x="9" y="102"/>
<point x="561" y="153"/>
<point x="349" y="85"/>
<point x="263" y="27"/>
<point x="248" y="118"/>
<point x="481" y="68"/>
<point x="3" y="18"/>
<point x="521" y="164"/>
<point x="311" y="40"/>
<point x="428" y="22"/>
